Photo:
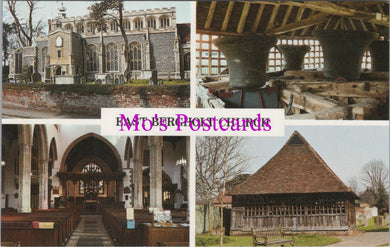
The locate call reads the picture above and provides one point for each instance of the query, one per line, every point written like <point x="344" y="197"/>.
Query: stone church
<point x="74" y="51"/>
<point x="56" y="166"/>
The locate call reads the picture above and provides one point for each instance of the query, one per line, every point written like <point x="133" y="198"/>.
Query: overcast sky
<point x="48" y="9"/>
<point x="345" y="149"/>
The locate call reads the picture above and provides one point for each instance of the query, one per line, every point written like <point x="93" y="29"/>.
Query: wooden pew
<point x="145" y="233"/>
<point x="24" y="227"/>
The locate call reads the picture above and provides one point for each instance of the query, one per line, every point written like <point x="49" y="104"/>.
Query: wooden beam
<point x="298" y="17"/>
<point x="272" y="18"/>
<point x="328" y="22"/>
<point x="287" y="15"/>
<point x="310" y="15"/>
<point x="258" y="18"/>
<point x="337" y="24"/>
<point x="210" y="15"/>
<point x="378" y="5"/>
<point x="374" y="27"/>
<point x="244" y="15"/>
<point x="327" y="7"/>
<point x="383" y="22"/>
<point x="227" y="16"/>
<point x="352" y="24"/>
<point x="363" y="25"/>
<point x="308" y="22"/>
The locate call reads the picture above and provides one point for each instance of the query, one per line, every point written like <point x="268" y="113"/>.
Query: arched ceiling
<point x="91" y="147"/>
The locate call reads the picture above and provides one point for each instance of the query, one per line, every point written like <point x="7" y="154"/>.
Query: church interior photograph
<point x="59" y="178"/>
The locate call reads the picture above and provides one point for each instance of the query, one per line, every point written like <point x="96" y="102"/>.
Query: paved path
<point x="21" y="113"/>
<point x="367" y="239"/>
<point x="90" y="232"/>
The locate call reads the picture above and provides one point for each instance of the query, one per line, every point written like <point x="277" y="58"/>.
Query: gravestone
<point x="108" y="79"/>
<point x="83" y="80"/>
<point x="363" y="220"/>
<point x="386" y="219"/>
<point x="151" y="82"/>
<point x="98" y="82"/>
<point x="371" y="212"/>
<point x="121" y="80"/>
<point x="116" y="80"/>
<point x="378" y="220"/>
<point x="36" y="77"/>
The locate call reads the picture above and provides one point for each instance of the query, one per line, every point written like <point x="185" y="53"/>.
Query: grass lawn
<point x="165" y="82"/>
<point x="301" y="240"/>
<point x="371" y="227"/>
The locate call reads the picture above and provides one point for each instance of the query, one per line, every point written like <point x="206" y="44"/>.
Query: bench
<point x="144" y="234"/>
<point x="172" y="243"/>
<point x="271" y="237"/>
<point x="49" y="227"/>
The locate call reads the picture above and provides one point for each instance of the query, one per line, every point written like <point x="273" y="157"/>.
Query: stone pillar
<point x="101" y="54"/>
<point x="293" y="56"/>
<point x="24" y="205"/>
<point x="343" y="52"/>
<point x="247" y="58"/>
<point x="43" y="184"/>
<point x="156" y="172"/>
<point x="71" y="59"/>
<point x="379" y="55"/>
<point x="177" y="57"/>
<point x="147" y="55"/>
<point x="137" y="181"/>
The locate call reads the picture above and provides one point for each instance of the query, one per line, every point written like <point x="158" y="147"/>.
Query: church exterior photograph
<point x="75" y="51"/>
<point x="110" y="54"/>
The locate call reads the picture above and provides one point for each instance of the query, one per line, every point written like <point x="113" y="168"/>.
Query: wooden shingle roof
<point x="291" y="18"/>
<point x="296" y="168"/>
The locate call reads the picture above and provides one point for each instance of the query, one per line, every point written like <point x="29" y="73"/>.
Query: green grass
<point x="165" y="82"/>
<point x="386" y="244"/>
<point x="301" y="240"/>
<point x="371" y="227"/>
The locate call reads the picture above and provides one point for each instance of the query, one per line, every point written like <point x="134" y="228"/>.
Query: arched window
<point x="138" y="24"/>
<point x="92" y="58"/>
<point x="126" y="25"/>
<point x="187" y="61"/>
<point x="152" y="22"/>
<point x="112" y="58"/>
<point x="164" y="21"/>
<point x="135" y="56"/>
<point x="91" y="186"/>
<point x="114" y="26"/>
<point x="91" y="28"/>
<point x="45" y="58"/>
<point x="80" y="28"/>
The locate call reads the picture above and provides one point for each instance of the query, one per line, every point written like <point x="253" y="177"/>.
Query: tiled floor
<point x="90" y="232"/>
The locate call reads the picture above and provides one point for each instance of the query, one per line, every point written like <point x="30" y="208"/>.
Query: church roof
<point x="296" y="168"/>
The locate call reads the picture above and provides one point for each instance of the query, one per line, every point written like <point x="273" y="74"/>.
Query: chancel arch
<point x="80" y="181"/>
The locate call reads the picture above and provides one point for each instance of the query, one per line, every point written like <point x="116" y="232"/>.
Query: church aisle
<point x="90" y="232"/>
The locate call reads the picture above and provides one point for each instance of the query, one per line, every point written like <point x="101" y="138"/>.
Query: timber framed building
<point x="295" y="189"/>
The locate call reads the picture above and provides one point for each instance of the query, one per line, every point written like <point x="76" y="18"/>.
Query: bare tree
<point x="375" y="174"/>
<point x="26" y="30"/>
<point x="353" y="184"/>
<point x="113" y="9"/>
<point x="218" y="159"/>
